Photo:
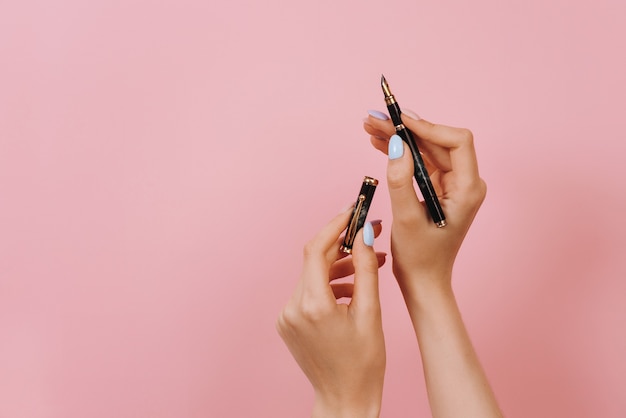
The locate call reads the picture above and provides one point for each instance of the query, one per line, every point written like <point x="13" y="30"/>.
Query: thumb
<point x="404" y="202"/>
<point x="365" y="297"/>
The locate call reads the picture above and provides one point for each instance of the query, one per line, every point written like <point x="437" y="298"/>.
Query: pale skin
<point x="339" y="347"/>
<point x="324" y="336"/>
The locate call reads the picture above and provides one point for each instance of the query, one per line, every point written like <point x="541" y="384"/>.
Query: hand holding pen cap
<point x="338" y="344"/>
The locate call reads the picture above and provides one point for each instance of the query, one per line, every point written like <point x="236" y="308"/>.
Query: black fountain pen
<point x="421" y="175"/>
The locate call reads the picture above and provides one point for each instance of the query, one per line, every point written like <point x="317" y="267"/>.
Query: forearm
<point x="456" y="383"/>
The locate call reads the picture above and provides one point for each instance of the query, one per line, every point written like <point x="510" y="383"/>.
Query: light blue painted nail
<point x="396" y="147"/>
<point x="378" y="115"/>
<point x="368" y="234"/>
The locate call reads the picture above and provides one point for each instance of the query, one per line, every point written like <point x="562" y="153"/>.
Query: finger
<point x="342" y="290"/>
<point x="458" y="141"/>
<point x="384" y="126"/>
<point x="376" y="224"/>
<point x="378" y="227"/>
<point x="365" y="297"/>
<point x="317" y="258"/>
<point x="404" y="202"/>
<point x="345" y="267"/>
<point x="431" y="168"/>
<point x="377" y="114"/>
<point x="435" y="179"/>
<point x="376" y="131"/>
<point x="434" y="156"/>
<point x="380" y="144"/>
<point x="329" y="236"/>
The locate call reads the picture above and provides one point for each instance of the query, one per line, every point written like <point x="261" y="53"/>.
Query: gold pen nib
<point x="385" y="86"/>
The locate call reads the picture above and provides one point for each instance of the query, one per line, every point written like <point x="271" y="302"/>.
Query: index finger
<point x="321" y="251"/>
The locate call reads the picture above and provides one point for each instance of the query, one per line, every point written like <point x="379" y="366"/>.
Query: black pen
<point x="421" y="174"/>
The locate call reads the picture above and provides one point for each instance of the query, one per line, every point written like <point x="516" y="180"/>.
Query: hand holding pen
<point x="418" y="247"/>
<point x="423" y="257"/>
<point x="419" y="167"/>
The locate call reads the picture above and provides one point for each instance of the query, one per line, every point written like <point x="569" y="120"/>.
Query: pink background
<point x="162" y="164"/>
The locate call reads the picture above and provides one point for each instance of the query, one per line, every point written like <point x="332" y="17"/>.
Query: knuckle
<point x="370" y="266"/>
<point x="466" y="137"/>
<point x="312" y="312"/>
<point x="286" y="320"/>
<point x="310" y="249"/>
<point x="394" y="178"/>
<point x="482" y="188"/>
<point x="283" y="320"/>
<point x="398" y="178"/>
<point x="280" y="326"/>
<point x="295" y="316"/>
<point x="364" y="261"/>
<point x="400" y="173"/>
<point x="476" y="193"/>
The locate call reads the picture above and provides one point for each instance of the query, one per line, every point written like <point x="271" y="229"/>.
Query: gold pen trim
<point x="359" y="213"/>
<point x="351" y="232"/>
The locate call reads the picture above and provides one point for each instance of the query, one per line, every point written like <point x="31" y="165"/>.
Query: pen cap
<point x="359" y="213"/>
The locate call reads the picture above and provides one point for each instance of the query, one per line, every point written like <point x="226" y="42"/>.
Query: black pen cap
<point x="359" y="213"/>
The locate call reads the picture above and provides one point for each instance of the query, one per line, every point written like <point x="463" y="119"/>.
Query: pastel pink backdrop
<point x="162" y="164"/>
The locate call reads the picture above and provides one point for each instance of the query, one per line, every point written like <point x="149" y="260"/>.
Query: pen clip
<point x="351" y="232"/>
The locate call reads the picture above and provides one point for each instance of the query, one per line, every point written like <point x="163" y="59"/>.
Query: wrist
<point x="366" y="407"/>
<point x="421" y="288"/>
<point x="428" y="298"/>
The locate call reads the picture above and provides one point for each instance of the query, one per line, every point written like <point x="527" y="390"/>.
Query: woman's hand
<point x="423" y="256"/>
<point x="423" y="253"/>
<point x="340" y="347"/>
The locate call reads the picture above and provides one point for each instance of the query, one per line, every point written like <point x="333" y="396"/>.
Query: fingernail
<point x="378" y="115"/>
<point x="368" y="234"/>
<point x="411" y="114"/>
<point x="396" y="148"/>
<point x="376" y="222"/>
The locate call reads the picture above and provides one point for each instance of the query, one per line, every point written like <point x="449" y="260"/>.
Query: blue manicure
<point x="378" y="115"/>
<point x="396" y="147"/>
<point x="368" y="234"/>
